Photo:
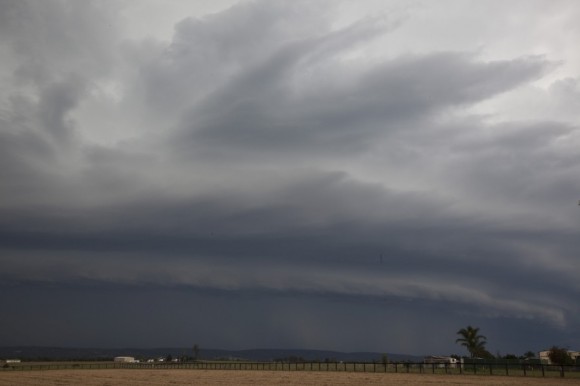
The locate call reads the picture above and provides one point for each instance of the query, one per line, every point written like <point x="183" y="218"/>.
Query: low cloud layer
<point x="294" y="152"/>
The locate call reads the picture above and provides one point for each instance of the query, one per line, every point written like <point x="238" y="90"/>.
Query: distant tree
<point x="474" y="342"/>
<point x="510" y="356"/>
<point x="169" y="358"/>
<point x="385" y="359"/>
<point x="560" y="356"/>
<point x="483" y="353"/>
<point x="529" y="355"/>
<point x="195" y="351"/>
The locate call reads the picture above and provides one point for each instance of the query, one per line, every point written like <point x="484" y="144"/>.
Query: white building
<point x="442" y="361"/>
<point x="125" y="359"/>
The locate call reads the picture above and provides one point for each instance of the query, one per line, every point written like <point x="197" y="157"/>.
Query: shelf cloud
<point x="326" y="159"/>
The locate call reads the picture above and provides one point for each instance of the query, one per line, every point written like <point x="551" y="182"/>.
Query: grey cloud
<point x="55" y="39"/>
<point x="420" y="80"/>
<point x="323" y="279"/>
<point x="265" y="115"/>
<point x="55" y="102"/>
<point x="529" y="161"/>
<point x="205" y="53"/>
<point x="56" y="51"/>
<point x="283" y="321"/>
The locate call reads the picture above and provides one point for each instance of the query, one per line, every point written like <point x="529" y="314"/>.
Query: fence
<point x="508" y="369"/>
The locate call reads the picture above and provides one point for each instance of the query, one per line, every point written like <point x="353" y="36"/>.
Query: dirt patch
<point x="258" y="378"/>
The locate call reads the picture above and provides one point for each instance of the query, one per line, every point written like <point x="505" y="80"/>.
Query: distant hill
<point x="70" y="353"/>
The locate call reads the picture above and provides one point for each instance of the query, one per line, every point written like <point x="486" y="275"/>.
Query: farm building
<point x="442" y="361"/>
<point x="12" y="361"/>
<point x="125" y="359"/>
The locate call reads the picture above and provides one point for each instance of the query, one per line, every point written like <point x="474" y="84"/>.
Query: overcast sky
<point x="345" y="175"/>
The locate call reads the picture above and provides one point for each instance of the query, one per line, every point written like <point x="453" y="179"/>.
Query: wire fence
<point x="507" y="369"/>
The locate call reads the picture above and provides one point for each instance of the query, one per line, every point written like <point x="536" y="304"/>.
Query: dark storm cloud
<point x="270" y="156"/>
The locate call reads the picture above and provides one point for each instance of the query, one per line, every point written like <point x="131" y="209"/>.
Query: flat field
<point x="134" y="377"/>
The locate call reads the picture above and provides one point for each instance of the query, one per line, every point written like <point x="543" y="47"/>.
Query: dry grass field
<point x="257" y="378"/>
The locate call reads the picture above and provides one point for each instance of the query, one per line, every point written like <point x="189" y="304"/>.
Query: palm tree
<point x="474" y="343"/>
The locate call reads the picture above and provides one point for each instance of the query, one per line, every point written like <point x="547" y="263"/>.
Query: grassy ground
<point x="135" y="377"/>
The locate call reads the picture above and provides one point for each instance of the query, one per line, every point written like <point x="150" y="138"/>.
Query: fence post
<point x="562" y="371"/>
<point x="507" y="372"/>
<point x="543" y="373"/>
<point x="396" y="367"/>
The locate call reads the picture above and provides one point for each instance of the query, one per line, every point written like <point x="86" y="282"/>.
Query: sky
<point x="340" y="175"/>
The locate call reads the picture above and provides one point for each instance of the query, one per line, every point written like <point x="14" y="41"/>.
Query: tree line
<point x="475" y="343"/>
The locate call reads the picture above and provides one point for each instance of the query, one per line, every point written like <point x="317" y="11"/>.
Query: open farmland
<point x="132" y="377"/>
